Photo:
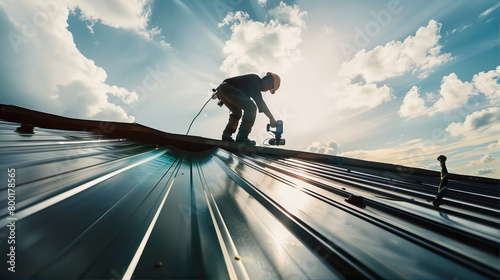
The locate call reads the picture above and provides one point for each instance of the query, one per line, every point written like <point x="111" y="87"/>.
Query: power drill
<point x="276" y="141"/>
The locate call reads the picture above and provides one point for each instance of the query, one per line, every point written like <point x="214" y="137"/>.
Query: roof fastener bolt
<point x="356" y="200"/>
<point x="158" y="264"/>
<point x="26" y="129"/>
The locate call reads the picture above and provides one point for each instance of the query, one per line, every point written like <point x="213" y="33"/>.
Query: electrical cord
<point x="266" y="144"/>
<point x="215" y="92"/>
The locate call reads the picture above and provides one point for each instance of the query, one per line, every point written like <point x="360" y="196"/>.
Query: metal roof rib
<point x="98" y="200"/>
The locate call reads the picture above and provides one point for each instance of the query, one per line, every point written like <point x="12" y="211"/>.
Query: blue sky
<point x="390" y="81"/>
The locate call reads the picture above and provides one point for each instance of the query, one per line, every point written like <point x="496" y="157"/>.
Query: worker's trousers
<point x="236" y="101"/>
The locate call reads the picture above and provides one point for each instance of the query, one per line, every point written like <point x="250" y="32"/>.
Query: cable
<point x="200" y="112"/>
<point x="266" y="145"/>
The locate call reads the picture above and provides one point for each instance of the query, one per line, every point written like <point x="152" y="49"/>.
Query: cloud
<point x="262" y="2"/>
<point x="432" y="166"/>
<point x="480" y="121"/>
<point x="413" y="105"/>
<point x="165" y="44"/>
<point x="330" y="148"/>
<point x="254" y="45"/>
<point x="422" y="153"/>
<point x="58" y="73"/>
<point x="459" y="29"/>
<point x="124" y="14"/>
<point x="359" y="77"/>
<point x="421" y="53"/>
<point x="494" y="146"/>
<point x="454" y="93"/>
<point x="487" y="84"/>
<point x="349" y="95"/>
<point x="488" y="11"/>
<point x="410" y="153"/>
<point x="484" y="171"/>
<point x="485" y="159"/>
<point x="88" y="99"/>
<point x="289" y="15"/>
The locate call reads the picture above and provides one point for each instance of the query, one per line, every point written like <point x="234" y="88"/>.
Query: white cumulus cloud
<point x="125" y="14"/>
<point x="421" y="52"/>
<point x="290" y="15"/>
<point x="254" y="45"/>
<point x="262" y="2"/>
<point x="417" y="54"/>
<point x="330" y="148"/>
<point x="454" y="94"/>
<point x="480" y="121"/>
<point x="485" y="159"/>
<point x="61" y="78"/>
<point x="484" y="171"/>
<point x="487" y="84"/>
<point x="413" y="104"/>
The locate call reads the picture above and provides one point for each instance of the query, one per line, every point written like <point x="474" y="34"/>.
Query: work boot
<point x="436" y="202"/>
<point x="227" y="137"/>
<point x="245" y="141"/>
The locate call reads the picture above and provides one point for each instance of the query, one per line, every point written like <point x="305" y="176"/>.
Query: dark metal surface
<point x="144" y="134"/>
<point x="95" y="207"/>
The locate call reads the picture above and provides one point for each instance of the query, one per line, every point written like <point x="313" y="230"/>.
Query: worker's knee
<point x="236" y="114"/>
<point x="250" y="109"/>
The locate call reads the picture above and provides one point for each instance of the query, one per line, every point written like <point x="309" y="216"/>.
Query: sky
<point x="390" y="81"/>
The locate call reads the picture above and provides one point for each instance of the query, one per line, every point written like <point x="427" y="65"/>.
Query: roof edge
<point x="144" y="134"/>
<point x="351" y="162"/>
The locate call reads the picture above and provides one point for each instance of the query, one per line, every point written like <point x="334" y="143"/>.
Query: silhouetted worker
<point x="237" y="94"/>
<point x="444" y="181"/>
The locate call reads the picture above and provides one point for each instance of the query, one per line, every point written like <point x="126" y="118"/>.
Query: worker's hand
<point x="272" y="121"/>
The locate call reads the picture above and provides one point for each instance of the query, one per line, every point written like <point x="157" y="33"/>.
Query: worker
<point x="237" y="94"/>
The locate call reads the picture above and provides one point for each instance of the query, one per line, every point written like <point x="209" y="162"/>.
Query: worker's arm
<point x="272" y="120"/>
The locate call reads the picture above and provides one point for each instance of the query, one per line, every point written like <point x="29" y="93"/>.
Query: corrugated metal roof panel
<point x="91" y="206"/>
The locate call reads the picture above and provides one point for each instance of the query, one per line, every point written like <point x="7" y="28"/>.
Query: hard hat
<point x="277" y="82"/>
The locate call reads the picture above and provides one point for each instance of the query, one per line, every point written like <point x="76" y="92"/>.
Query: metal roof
<point x="109" y="200"/>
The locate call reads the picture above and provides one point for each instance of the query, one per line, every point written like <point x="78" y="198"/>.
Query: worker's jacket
<point x="250" y="85"/>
